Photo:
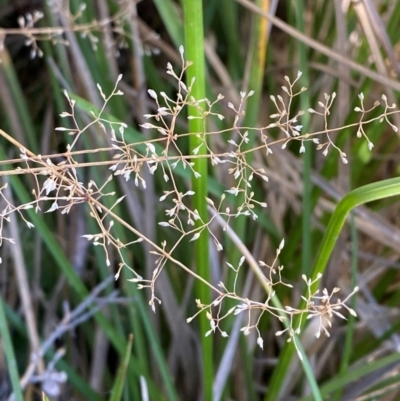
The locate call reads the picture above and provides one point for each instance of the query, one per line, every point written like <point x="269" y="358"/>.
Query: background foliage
<point x="98" y="337"/>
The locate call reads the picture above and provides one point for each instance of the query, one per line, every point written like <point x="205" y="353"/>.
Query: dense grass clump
<point x="198" y="201"/>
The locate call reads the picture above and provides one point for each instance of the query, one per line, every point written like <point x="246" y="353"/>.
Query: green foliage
<point x="214" y="190"/>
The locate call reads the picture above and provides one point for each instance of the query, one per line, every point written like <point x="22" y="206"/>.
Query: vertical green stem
<point x="193" y="24"/>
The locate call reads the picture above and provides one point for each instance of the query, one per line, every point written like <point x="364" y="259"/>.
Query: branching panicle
<point x="59" y="185"/>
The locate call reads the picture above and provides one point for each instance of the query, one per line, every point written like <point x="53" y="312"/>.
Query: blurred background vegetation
<point x="347" y="47"/>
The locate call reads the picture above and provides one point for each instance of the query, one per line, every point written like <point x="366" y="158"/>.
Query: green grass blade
<point x="10" y="355"/>
<point x="257" y="53"/>
<point x="308" y="370"/>
<point x="256" y="67"/>
<point x="306" y="248"/>
<point x="348" y="342"/>
<point x="355" y="373"/>
<point x="171" y="19"/>
<point x="116" y="392"/>
<point x="158" y="354"/>
<point x="19" y="103"/>
<point x="368" y="193"/>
